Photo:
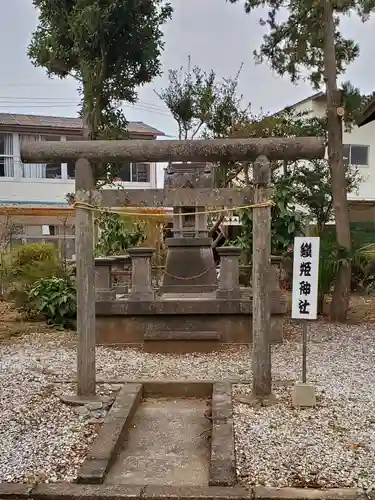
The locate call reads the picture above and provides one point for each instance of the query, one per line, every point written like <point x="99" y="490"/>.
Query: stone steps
<point x="169" y="341"/>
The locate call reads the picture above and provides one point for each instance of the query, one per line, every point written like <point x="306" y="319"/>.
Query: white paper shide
<point x="305" y="277"/>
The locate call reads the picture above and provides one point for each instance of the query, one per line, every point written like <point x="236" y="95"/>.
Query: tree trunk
<point x="340" y="297"/>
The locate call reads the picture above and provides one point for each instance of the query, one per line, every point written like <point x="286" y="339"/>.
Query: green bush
<point x="26" y="265"/>
<point x="52" y="299"/>
<point x="363" y="270"/>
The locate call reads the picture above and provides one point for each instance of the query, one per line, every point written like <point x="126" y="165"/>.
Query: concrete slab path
<point x="167" y="445"/>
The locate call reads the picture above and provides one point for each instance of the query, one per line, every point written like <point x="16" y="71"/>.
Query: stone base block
<point x="181" y="346"/>
<point x="303" y="395"/>
<point x="105" y="294"/>
<point x="142" y="296"/>
<point x="171" y="341"/>
<point x="121" y="289"/>
<point x="228" y="294"/>
<point x="123" y="322"/>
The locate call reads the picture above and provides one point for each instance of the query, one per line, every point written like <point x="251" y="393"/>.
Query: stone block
<point x="93" y="472"/>
<point x="116" y="425"/>
<point x="264" y="493"/>
<point x="15" y="490"/>
<point x="196" y="493"/>
<point x="178" y="389"/>
<point x="103" y="295"/>
<point x="303" y="395"/>
<point x="222" y="402"/>
<point x="153" y="334"/>
<point x="222" y="461"/>
<point x="70" y="491"/>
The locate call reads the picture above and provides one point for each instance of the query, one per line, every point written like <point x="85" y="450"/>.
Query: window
<point x="140" y="172"/>
<point x="71" y="165"/>
<point x="356" y="155"/>
<point x="49" y="230"/>
<point x="18" y="229"/>
<point x="71" y="169"/>
<point x="51" y="170"/>
<point x="50" y="138"/>
<point x="6" y="155"/>
<point x="135" y="172"/>
<point x="124" y="172"/>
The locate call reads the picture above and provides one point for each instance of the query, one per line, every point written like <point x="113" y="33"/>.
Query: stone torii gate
<point x="259" y="151"/>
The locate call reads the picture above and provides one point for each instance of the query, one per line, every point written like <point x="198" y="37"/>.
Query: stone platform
<point x="182" y="322"/>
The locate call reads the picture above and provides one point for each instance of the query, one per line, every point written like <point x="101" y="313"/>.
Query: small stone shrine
<point x="190" y="266"/>
<point x="192" y="311"/>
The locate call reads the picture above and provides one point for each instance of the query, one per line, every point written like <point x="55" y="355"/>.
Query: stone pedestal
<point x="142" y="289"/>
<point x="121" y="287"/>
<point x="303" y="395"/>
<point x="190" y="266"/>
<point x="229" y="281"/>
<point x="103" y="280"/>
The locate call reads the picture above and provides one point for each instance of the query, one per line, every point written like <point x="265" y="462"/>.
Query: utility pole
<point x="340" y="298"/>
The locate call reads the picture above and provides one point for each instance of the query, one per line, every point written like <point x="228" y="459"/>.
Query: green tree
<point x="294" y="44"/>
<point x="307" y="43"/>
<point x="189" y="96"/>
<point x="312" y="189"/>
<point x="110" y="47"/>
<point x="204" y="107"/>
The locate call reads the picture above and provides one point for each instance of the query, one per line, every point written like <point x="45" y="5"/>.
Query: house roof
<point x="64" y="123"/>
<point x="368" y="114"/>
<point x="317" y="95"/>
<point x="313" y="97"/>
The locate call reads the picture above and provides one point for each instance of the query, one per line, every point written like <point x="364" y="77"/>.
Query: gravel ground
<point x="332" y="445"/>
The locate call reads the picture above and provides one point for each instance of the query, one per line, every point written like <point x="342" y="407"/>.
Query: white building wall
<point x="18" y="189"/>
<point x="363" y="136"/>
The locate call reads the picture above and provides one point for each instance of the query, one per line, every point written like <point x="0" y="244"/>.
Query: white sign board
<point x="305" y="278"/>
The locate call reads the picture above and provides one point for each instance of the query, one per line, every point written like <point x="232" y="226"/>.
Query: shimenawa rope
<point x="87" y="206"/>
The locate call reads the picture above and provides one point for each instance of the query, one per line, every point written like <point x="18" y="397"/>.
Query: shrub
<point x="53" y="299"/>
<point x="26" y="265"/>
<point x="117" y="234"/>
<point x="363" y="270"/>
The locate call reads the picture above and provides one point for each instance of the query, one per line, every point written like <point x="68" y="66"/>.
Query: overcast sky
<point x="216" y="34"/>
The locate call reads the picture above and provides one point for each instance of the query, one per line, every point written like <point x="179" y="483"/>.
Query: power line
<point x="66" y="99"/>
<point x="53" y="104"/>
<point x="57" y="99"/>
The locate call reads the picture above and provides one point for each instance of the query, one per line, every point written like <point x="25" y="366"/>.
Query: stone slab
<point x="69" y="491"/>
<point x="303" y="395"/>
<point x="222" y="460"/>
<point x="115" y="427"/>
<point x="93" y="471"/>
<point x="105" y="294"/>
<point x="177" y="389"/>
<point x="264" y="493"/>
<point x="222" y="402"/>
<point x="181" y="346"/>
<point x="15" y="490"/>
<point x="196" y="493"/>
<point x="153" y="334"/>
<point x="186" y="306"/>
<point x="233" y="329"/>
<point x="166" y="445"/>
